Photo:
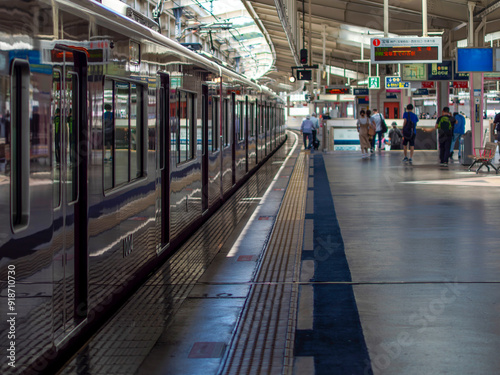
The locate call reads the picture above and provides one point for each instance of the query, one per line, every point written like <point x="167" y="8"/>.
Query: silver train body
<point x="115" y="143"/>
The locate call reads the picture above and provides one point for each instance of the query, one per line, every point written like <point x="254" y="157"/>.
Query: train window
<point x="123" y="132"/>
<point x="227" y="122"/>
<point x="186" y="125"/>
<point x="20" y="143"/>
<point x="241" y="121"/>
<point x="261" y="119"/>
<point x="199" y="124"/>
<point x="174" y="122"/>
<point x="56" y="139"/>
<point x="135" y="145"/>
<point x="122" y="117"/>
<point x="108" y="128"/>
<point x="213" y="129"/>
<point x="71" y="92"/>
<point x="251" y="119"/>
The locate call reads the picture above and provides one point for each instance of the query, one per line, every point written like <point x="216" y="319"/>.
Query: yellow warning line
<point x="265" y="337"/>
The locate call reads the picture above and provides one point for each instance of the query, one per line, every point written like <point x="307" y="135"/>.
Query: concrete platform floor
<point x="399" y="274"/>
<point x="422" y="244"/>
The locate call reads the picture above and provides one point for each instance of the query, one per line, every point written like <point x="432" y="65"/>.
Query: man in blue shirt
<point x="457" y="132"/>
<point x="409" y="116"/>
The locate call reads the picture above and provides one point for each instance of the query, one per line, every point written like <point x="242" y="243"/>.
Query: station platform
<point x="324" y="263"/>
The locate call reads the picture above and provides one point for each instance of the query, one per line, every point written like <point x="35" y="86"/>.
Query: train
<point x="116" y="143"/>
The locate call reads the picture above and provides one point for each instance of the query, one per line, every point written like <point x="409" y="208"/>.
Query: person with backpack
<point x="378" y="121"/>
<point x="410" y="120"/>
<point x="445" y="124"/>
<point x="395" y="136"/>
<point x="458" y="131"/>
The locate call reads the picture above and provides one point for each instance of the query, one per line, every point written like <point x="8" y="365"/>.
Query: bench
<point x="484" y="156"/>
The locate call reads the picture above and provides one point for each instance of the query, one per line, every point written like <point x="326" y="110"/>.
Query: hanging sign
<point x="406" y="50"/>
<point x="395" y="83"/>
<point x="440" y="71"/>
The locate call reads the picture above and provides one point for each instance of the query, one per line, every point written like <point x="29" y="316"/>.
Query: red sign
<point x="428" y="84"/>
<point x="376" y="42"/>
<point x="460" y="84"/>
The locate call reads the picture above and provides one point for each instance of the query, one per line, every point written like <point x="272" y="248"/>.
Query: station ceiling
<point x="350" y="23"/>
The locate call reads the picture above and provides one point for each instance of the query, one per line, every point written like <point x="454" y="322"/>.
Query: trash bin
<point x="466" y="148"/>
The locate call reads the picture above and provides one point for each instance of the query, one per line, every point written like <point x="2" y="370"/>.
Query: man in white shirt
<point x="376" y="119"/>
<point x="315" y="128"/>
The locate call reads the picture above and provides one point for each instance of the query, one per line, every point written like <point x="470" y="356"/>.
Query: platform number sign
<point x="374" y="83"/>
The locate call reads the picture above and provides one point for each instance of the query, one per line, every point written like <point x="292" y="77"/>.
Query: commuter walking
<point x="395" y="136"/>
<point x="458" y="131"/>
<point x="363" y="125"/>
<point x="445" y="124"/>
<point x="306" y="130"/>
<point x="410" y="120"/>
<point x="315" y="128"/>
<point x="377" y="119"/>
<point x="496" y="121"/>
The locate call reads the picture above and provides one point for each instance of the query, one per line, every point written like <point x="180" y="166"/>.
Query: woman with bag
<point x="363" y="126"/>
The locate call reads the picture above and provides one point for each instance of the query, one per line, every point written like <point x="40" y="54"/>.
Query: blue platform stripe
<point x="347" y="142"/>
<point x="336" y="342"/>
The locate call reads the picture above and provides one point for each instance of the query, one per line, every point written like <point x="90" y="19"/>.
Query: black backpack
<point x="445" y="126"/>
<point x="396" y="138"/>
<point x="408" y="130"/>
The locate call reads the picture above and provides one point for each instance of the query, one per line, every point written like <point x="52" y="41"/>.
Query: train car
<point x="115" y="144"/>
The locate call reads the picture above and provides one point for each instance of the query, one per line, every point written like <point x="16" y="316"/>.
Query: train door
<point x="204" y="140"/>
<point x="246" y="125"/>
<point x="257" y="132"/>
<point x="164" y="156"/>
<point x="233" y="136"/>
<point x="391" y="110"/>
<point x="69" y="170"/>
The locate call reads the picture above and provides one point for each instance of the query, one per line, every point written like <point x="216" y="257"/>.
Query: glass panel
<point x="243" y="120"/>
<point x="122" y="133"/>
<point x="161" y="130"/>
<point x="56" y="135"/>
<point x="174" y="126"/>
<point x="72" y="137"/>
<point x="224" y="122"/>
<point x="108" y="125"/>
<point x="213" y="138"/>
<point x="135" y="143"/>
<point x="200" y="119"/>
<point x="237" y="120"/>
<point x="184" y="132"/>
<point x="251" y="119"/>
<point x="228" y="122"/>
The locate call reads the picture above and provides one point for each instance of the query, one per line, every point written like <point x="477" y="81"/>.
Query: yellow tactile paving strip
<point x="263" y="343"/>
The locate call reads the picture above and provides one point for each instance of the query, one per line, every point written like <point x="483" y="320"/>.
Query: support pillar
<point x="443" y="96"/>
<point x="476" y="102"/>
<point x="178" y="26"/>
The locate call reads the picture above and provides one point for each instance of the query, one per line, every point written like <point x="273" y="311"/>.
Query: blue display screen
<point x="475" y="60"/>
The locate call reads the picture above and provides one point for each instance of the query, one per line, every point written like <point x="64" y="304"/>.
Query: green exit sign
<point x="374" y="83"/>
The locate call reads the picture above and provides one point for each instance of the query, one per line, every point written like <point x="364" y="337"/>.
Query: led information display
<point x="406" y="50"/>
<point x="337" y="90"/>
<point x="474" y="59"/>
<point x="304" y="75"/>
